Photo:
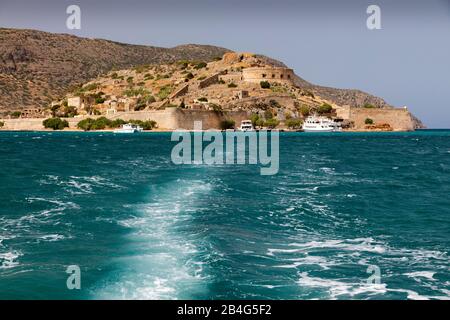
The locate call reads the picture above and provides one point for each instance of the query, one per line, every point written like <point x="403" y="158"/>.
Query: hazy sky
<point x="326" y="42"/>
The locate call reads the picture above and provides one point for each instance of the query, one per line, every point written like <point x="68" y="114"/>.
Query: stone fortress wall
<point x="168" y="119"/>
<point x="271" y="74"/>
<point x="399" y="119"/>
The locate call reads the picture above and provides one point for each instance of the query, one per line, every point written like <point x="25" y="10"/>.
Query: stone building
<point x="241" y="94"/>
<point x="33" y="113"/>
<point x="80" y="102"/>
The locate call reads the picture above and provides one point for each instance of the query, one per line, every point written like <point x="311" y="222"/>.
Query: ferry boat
<point x="321" y="124"/>
<point x="129" y="128"/>
<point x="246" y="125"/>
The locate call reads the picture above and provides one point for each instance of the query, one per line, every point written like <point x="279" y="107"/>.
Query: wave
<point x="75" y="185"/>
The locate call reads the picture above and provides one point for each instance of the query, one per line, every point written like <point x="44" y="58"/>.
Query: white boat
<point x="129" y="128"/>
<point x="321" y="124"/>
<point x="246" y="125"/>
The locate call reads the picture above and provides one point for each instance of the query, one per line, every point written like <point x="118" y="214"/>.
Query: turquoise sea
<point x="140" y="227"/>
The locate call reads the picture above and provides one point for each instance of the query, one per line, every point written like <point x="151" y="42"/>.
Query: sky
<point x="406" y="62"/>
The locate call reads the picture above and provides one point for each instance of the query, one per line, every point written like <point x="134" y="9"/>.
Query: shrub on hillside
<point x="55" y="124"/>
<point x="189" y="76"/>
<point x="307" y="93"/>
<point x="201" y="65"/>
<point x="90" y="87"/>
<point x="134" y="92"/>
<point x="140" y="107"/>
<point x="232" y="85"/>
<point x="203" y="99"/>
<point x="368" y="121"/>
<point x="265" y="84"/>
<point x="99" y="100"/>
<point x="164" y="92"/>
<point x="2" y="124"/>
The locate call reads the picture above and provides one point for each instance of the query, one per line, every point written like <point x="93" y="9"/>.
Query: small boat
<point x="129" y="128"/>
<point x="246" y="125"/>
<point x="321" y="124"/>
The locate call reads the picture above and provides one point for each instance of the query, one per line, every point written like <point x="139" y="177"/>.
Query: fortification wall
<point x="398" y="119"/>
<point x="169" y="119"/>
<point x="180" y="92"/>
<point x="210" y="80"/>
<point x="275" y="74"/>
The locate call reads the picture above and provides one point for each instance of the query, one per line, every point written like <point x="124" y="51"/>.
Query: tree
<point x="232" y="85"/>
<point x="85" y="124"/>
<point x="272" y="123"/>
<point x="268" y="114"/>
<point x="216" y="108"/>
<point x="16" y="114"/>
<point x="227" y="124"/>
<point x="70" y="112"/>
<point x="265" y="84"/>
<point x="117" y="123"/>
<point x="2" y="124"/>
<point x="55" y="124"/>
<point x="325" y="108"/>
<point x="294" y="123"/>
<point x="54" y="109"/>
<point x="368" y="121"/>
<point x="254" y="118"/>
<point x="305" y="111"/>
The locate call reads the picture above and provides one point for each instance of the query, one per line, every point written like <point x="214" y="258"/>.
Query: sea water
<point x="341" y="207"/>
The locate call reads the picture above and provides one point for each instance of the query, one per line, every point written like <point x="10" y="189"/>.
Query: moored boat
<point x="321" y="124"/>
<point x="246" y="125"/>
<point x="129" y="128"/>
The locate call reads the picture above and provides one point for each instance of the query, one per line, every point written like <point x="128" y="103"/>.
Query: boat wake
<point x="163" y="259"/>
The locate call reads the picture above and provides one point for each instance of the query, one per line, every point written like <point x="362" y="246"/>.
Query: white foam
<point x="421" y="274"/>
<point x="8" y="259"/>
<point x="336" y="288"/>
<point x="51" y="237"/>
<point x="359" y="244"/>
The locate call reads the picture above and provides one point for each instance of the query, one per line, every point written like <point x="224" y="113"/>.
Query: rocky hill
<point x="37" y="67"/>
